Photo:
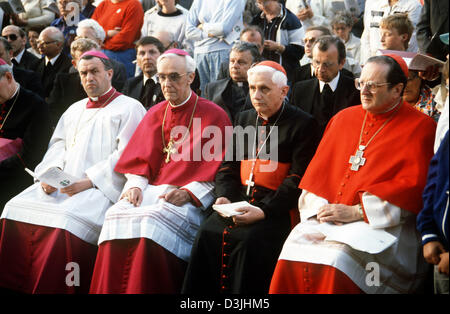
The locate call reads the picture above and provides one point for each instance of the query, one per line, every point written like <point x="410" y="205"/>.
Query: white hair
<point x="190" y="63"/>
<point x="90" y="23"/>
<point x="278" y="77"/>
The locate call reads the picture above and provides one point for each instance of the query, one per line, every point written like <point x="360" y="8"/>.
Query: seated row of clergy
<point x="87" y="143"/>
<point x="146" y="238"/>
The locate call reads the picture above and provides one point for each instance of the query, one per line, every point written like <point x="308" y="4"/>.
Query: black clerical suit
<point x="28" y="120"/>
<point x="29" y="80"/>
<point x="240" y="259"/>
<point x="48" y="72"/>
<point x="307" y="96"/>
<point x="28" y="61"/>
<point x="149" y="94"/>
<point x="228" y="95"/>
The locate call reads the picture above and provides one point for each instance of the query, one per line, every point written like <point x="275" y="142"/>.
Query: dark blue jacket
<point x="432" y="221"/>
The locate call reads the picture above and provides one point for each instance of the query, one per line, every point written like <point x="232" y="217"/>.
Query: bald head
<point x="50" y="42"/>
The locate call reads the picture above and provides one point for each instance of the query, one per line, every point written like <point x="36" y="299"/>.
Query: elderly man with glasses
<point x="361" y="194"/>
<point x="170" y="163"/>
<point x="17" y="39"/>
<point x="50" y="45"/>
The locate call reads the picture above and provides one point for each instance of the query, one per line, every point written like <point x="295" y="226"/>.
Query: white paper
<point x="359" y="235"/>
<point x="229" y="210"/>
<point x="54" y="177"/>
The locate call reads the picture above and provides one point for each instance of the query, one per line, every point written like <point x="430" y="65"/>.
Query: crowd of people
<point x="226" y="146"/>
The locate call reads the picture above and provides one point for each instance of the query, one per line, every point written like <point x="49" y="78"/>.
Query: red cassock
<point x="140" y="265"/>
<point x="395" y="171"/>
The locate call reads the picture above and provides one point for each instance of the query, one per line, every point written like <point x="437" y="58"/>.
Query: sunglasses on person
<point x="12" y="37"/>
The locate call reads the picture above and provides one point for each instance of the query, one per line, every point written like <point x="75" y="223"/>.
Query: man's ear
<point x="191" y="77"/>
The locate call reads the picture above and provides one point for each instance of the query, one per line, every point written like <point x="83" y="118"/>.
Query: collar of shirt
<point x="19" y="56"/>
<point x="95" y="99"/>
<point x="154" y="78"/>
<point x="53" y="60"/>
<point x="333" y="84"/>
<point x="187" y="99"/>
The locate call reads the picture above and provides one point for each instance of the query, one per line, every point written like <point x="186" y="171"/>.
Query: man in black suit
<point x="50" y="44"/>
<point x="433" y="22"/>
<point x="23" y="120"/>
<point x="17" y="39"/>
<point x="330" y="90"/>
<point x="232" y="93"/>
<point x="26" y="78"/>
<point x="145" y="87"/>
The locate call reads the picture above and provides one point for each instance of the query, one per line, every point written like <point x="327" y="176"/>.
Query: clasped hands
<point x="70" y="190"/>
<point x="176" y="197"/>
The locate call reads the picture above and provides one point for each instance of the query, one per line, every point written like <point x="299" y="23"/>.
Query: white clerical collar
<point x="18" y="58"/>
<point x="52" y="60"/>
<point x="96" y="98"/>
<point x="175" y="106"/>
<point x="154" y="78"/>
<point x="333" y="84"/>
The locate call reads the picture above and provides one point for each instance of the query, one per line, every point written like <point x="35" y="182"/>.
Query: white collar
<point x="96" y="98"/>
<point x="333" y="84"/>
<point x="175" y="106"/>
<point x="53" y="60"/>
<point x="154" y="78"/>
<point x="19" y="56"/>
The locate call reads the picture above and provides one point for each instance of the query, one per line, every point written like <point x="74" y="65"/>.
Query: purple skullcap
<point x="2" y="62"/>
<point x="179" y="52"/>
<point x="95" y="53"/>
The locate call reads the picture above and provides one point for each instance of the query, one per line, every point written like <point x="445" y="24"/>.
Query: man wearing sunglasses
<point x="17" y="39"/>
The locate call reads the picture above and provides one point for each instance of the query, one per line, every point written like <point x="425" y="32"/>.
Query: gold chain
<point x="185" y="134"/>
<point x="12" y="106"/>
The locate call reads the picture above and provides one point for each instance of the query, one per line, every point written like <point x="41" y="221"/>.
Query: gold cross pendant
<point x="170" y="149"/>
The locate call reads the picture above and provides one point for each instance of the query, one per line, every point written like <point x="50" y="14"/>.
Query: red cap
<point x="95" y="53"/>
<point x="400" y="62"/>
<point x="273" y="65"/>
<point x="2" y="62"/>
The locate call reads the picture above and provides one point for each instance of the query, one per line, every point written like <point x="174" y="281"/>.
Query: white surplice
<point x="172" y="227"/>
<point x="85" y="143"/>
<point x="401" y="266"/>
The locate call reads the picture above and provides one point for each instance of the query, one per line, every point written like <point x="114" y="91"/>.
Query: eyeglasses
<point x="327" y="65"/>
<point x="370" y="85"/>
<point x="173" y="77"/>
<point x="45" y="43"/>
<point x="11" y="37"/>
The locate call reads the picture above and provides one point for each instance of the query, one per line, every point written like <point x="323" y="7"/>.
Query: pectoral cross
<point x="170" y="149"/>
<point x="357" y="160"/>
<point x="249" y="183"/>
